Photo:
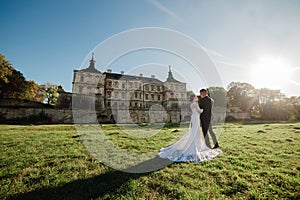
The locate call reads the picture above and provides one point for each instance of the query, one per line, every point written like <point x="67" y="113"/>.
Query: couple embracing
<point x="194" y="145"/>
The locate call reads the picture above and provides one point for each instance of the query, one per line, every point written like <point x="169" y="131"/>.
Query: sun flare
<point x="270" y="73"/>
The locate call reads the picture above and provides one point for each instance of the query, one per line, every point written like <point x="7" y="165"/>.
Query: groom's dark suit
<point x="206" y="104"/>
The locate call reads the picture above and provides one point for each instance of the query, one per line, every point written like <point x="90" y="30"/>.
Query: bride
<point x="191" y="147"/>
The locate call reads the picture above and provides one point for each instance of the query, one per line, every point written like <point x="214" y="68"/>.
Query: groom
<point x="206" y="103"/>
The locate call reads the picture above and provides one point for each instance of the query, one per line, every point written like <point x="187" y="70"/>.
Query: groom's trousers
<point x="206" y="127"/>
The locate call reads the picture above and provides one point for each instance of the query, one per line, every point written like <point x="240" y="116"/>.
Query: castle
<point x="122" y="98"/>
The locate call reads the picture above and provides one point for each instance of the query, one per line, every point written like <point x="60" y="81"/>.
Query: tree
<point x="5" y="70"/>
<point x="266" y="95"/>
<point x="272" y="105"/>
<point x="293" y="105"/>
<point x="14" y="85"/>
<point x="242" y="95"/>
<point x="36" y="92"/>
<point x="51" y="93"/>
<point x="218" y="94"/>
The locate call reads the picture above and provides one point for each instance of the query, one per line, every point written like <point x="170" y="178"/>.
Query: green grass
<point x="259" y="161"/>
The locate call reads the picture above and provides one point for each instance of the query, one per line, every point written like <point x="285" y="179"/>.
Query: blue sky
<point x="46" y="40"/>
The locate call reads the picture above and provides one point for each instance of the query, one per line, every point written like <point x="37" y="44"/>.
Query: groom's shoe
<point x="216" y="146"/>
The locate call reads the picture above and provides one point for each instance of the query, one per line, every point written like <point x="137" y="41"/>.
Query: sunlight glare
<point x="270" y="73"/>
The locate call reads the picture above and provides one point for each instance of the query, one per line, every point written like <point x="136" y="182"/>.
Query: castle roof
<point x="91" y="70"/>
<point x="116" y="76"/>
<point x="91" y="67"/>
<point x="170" y="77"/>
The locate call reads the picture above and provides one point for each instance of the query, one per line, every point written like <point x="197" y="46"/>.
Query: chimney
<point x="109" y="71"/>
<point x="141" y="75"/>
<point x="122" y="72"/>
<point x="153" y="76"/>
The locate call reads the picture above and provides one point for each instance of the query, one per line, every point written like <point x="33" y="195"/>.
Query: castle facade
<point x="122" y="98"/>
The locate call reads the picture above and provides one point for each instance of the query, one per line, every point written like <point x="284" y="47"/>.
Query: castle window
<point x="108" y="93"/>
<point x="116" y="94"/>
<point x="147" y="87"/>
<point x="152" y="87"/>
<point x="116" y="84"/>
<point x="109" y="83"/>
<point x="158" y="88"/>
<point x="135" y="84"/>
<point x="81" y="78"/>
<point x="147" y="96"/>
<point x="140" y="95"/>
<point x="123" y="95"/>
<point x="108" y="103"/>
<point x="123" y="85"/>
<point x="130" y="84"/>
<point x="152" y="97"/>
<point x="158" y="97"/>
<point x="135" y="95"/>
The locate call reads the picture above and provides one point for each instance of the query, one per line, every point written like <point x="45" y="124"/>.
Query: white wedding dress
<point x="191" y="147"/>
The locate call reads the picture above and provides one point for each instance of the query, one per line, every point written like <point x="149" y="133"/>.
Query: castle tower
<point x="89" y="80"/>
<point x="170" y="76"/>
<point x="175" y="92"/>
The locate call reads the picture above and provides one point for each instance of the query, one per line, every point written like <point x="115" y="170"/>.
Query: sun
<point x="270" y="72"/>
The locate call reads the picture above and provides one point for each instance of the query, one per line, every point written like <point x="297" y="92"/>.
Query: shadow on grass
<point x="96" y="187"/>
<point x="91" y="188"/>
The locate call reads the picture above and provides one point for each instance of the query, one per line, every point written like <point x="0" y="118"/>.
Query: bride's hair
<point x="192" y="97"/>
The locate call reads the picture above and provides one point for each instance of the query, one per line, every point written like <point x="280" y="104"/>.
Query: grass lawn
<point x="259" y="161"/>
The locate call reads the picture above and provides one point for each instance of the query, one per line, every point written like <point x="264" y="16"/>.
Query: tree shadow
<point x="96" y="187"/>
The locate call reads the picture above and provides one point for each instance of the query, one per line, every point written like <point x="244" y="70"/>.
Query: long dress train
<point x="191" y="147"/>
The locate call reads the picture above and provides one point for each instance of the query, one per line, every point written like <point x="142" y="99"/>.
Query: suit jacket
<point x="206" y="104"/>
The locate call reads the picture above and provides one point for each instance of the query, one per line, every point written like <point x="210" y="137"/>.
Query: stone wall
<point x="22" y="103"/>
<point x="24" y="112"/>
<point x="151" y="116"/>
<point x="35" y="115"/>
